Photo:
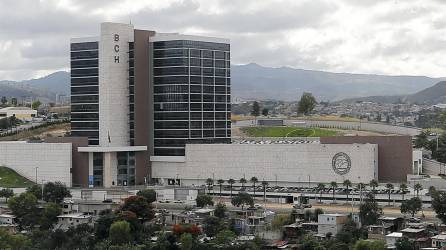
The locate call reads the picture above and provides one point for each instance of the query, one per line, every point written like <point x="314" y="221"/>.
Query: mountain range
<point x="252" y="81"/>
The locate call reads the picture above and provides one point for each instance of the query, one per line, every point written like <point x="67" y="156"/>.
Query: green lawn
<point x="287" y="132"/>
<point x="9" y="179"/>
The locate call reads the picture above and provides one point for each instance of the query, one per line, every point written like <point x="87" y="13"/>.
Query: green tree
<point x="225" y="237"/>
<point x="316" y="213"/>
<point x="220" y="210"/>
<point x="149" y="194"/>
<point x="404" y="244"/>
<point x="333" y="186"/>
<point x="373" y="184"/>
<point x="24" y="207"/>
<point x="204" y="200"/>
<point x="6" y="193"/>
<point x="320" y="187"/>
<point x="265" y="112"/>
<point x="139" y="206"/>
<point x="102" y="225"/>
<point x="255" y="111"/>
<point x="411" y="206"/>
<point x="242" y="199"/>
<point x="210" y="183"/>
<point x="36" y="104"/>
<point x="264" y="185"/>
<point x="347" y="183"/>
<point x="418" y="187"/>
<point x="212" y="225"/>
<point x="403" y="189"/>
<point x="281" y="220"/>
<point x="231" y="182"/>
<point x="369" y="245"/>
<point x="369" y="211"/>
<point x="186" y="241"/>
<point x="439" y="204"/>
<point x="432" y="190"/>
<point x="243" y="181"/>
<point x="254" y="180"/>
<point x="36" y="190"/>
<point x="49" y="215"/>
<point x="389" y="187"/>
<point x="306" y="103"/>
<point x="421" y="140"/>
<point x="55" y="192"/>
<point x="220" y="183"/>
<point x="120" y="233"/>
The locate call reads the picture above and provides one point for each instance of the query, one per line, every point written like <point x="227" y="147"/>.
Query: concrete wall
<point x="395" y="154"/>
<point x="289" y="163"/>
<point x="52" y="159"/>
<point x="114" y="84"/>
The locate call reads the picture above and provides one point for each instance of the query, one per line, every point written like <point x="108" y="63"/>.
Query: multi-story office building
<point x="138" y="93"/>
<point x="191" y="77"/>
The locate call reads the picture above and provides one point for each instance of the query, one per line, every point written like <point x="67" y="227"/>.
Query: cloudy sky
<point x="361" y="36"/>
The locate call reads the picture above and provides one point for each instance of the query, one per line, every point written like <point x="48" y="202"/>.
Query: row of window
<point x="199" y="133"/>
<point x="191" y="44"/>
<point x="171" y="80"/>
<point x="84" y="55"/>
<point x="84" y="107"/>
<point x="163" y="107"/>
<point x="84" y="46"/>
<point x="192" y="124"/>
<point x="85" y="117"/>
<point x="85" y="99"/>
<point x="180" y="52"/>
<point x="192" y="71"/>
<point x="84" y="125"/>
<point x="193" y="116"/>
<point x="181" y="142"/>
<point x="85" y="63"/>
<point x="84" y="72"/>
<point x="193" y="98"/>
<point x="185" y="61"/>
<point x="193" y="89"/>
<point x="84" y="90"/>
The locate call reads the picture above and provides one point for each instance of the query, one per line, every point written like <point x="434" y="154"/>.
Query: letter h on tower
<point x="116" y="48"/>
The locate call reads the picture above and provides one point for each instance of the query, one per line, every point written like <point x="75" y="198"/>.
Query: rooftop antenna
<point x="130" y="22"/>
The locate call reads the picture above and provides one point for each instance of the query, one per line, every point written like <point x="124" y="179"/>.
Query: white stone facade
<point x="287" y="164"/>
<point x="114" y="84"/>
<point x="52" y="160"/>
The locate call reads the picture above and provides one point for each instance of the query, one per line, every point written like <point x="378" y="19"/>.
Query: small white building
<point x="417" y="158"/>
<point x="330" y="223"/>
<point x="439" y="241"/>
<point x="66" y="221"/>
<point x="392" y="238"/>
<point x="22" y="113"/>
<point x="7" y="219"/>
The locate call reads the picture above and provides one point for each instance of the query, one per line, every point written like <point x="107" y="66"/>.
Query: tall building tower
<point x="191" y="77"/>
<point x="138" y="93"/>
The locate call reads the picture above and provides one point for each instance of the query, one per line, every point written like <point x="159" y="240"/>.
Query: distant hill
<point x="431" y="95"/>
<point x="252" y="81"/>
<point x="45" y="88"/>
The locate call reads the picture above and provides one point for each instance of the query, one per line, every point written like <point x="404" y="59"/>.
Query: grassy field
<point x="10" y="179"/>
<point x="26" y="134"/>
<point x="287" y="132"/>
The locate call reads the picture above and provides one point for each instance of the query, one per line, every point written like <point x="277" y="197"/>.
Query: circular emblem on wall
<point x="341" y="163"/>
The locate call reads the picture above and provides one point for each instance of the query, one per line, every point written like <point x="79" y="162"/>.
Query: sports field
<point x="287" y="132"/>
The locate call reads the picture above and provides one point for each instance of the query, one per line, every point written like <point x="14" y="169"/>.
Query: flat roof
<point x="412" y="230"/>
<point x="111" y="149"/>
<point x="74" y="216"/>
<point x="395" y="234"/>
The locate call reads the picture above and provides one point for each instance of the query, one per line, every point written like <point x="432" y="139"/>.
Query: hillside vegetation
<point x="11" y="179"/>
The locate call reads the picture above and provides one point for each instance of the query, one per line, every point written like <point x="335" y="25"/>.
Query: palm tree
<point x="418" y="187"/>
<point x="231" y="182"/>
<point x="220" y="183"/>
<point x="209" y="183"/>
<point x="320" y="187"/>
<point x="361" y="187"/>
<point x="254" y="180"/>
<point x="373" y="184"/>
<point x="347" y="183"/>
<point x="243" y="181"/>
<point x="333" y="185"/>
<point x="264" y="185"/>
<point x="403" y="189"/>
<point x="389" y="187"/>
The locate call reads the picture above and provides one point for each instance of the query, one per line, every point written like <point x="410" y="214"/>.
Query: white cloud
<point x="366" y="36"/>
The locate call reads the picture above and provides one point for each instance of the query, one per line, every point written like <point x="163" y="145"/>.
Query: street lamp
<point x="36" y="173"/>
